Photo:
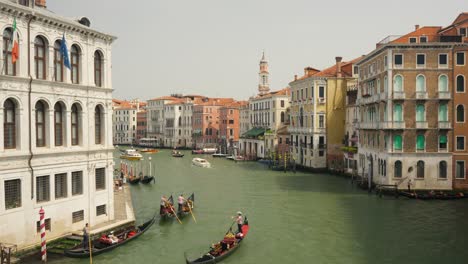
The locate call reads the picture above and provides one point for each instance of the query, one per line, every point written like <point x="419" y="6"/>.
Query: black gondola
<point x="168" y="211"/>
<point x="177" y="155"/>
<point x="148" y="179"/>
<point x="134" y="180"/>
<point x="210" y="257"/>
<point x="102" y="244"/>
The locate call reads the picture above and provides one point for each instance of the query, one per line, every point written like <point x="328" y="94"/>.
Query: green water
<point x="294" y="218"/>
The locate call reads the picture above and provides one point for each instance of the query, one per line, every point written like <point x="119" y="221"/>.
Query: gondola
<point x="177" y="154"/>
<point x="103" y="244"/>
<point x="168" y="211"/>
<point x="186" y="210"/>
<point x="210" y="257"/>
<point x="148" y="179"/>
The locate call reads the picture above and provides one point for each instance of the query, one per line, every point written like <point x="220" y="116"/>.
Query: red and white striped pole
<point x="43" y="239"/>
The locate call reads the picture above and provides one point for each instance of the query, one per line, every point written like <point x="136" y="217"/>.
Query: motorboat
<point x="209" y="150"/>
<point x="201" y="163"/>
<point x="147" y="150"/>
<point x="197" y="151"/>
<point x="131" y="154"/>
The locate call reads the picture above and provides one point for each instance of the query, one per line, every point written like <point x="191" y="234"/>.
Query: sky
<point x="213" y="47"/>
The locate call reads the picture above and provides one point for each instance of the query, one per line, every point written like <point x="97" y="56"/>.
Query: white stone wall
<point x="18" y="225"/>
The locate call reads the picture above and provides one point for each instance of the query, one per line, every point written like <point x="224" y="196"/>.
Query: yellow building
<point x="318" y="115"/>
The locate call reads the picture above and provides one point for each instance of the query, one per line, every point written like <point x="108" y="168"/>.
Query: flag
<point x="64" y="53"/>
<point x="14" y="44"/>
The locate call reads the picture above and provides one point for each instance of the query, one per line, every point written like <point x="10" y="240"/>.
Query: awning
<point x="254" y="132"/>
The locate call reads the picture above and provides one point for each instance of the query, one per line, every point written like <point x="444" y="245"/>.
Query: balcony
<point x="444" y="95"/>
<point x="321" y="100"/>
<point x="393" y="125"/>
<point x="369" y="125"/>
<point x="322" y="146"/>
<point x="421" y="95"/>
<point x="445" y="125"/>
<point x="398" y="95"/>
<point x="421" y="125"/>
<point x="320" y="130"/>
<point x="383" y="96"/>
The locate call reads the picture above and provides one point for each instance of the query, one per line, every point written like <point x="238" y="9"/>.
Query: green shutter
<point x="420" y="142"/>
<point x="397" y="113"/>
<point x="443" y="87"/>
<point x="398" y="83"/>
<point x="420" y="83"/>
<point x="442" y="112"/>
<point x="443" y="139"/>
<point x="397" y="142"/>
<point x="420" y="113"/>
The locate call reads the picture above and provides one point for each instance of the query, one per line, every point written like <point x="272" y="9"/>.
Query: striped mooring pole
<point x="43" y="238"/>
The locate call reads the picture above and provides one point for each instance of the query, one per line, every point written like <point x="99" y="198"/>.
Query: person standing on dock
<point x="409" y="185"/>
<point x="86" y="236"/>
<point x="180" y="201"/>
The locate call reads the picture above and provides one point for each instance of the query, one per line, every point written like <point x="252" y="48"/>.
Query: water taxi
<point x="147" y="150"/>
<point x="131" y="154"/>
<point x="201" y="163"/>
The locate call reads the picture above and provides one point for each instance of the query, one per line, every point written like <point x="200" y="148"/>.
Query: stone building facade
<point x="56" y="149"/>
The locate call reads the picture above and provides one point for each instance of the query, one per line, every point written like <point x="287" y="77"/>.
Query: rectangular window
<point x="61" y="185"/>
<point x="101" y="210"/>
<point x="231" y="121"/>
<point x="47" y="225"/>
<point x="101" y="179"/>
<point x="460" y="58"/>
<point x="463" y="32"/>
<point x="321" y="121"/>
<point x="321" y="92"/>
<point x="460" y="143"/>
<point x="442" y="142"/>
<point x="423" y="39"/>
<point x="12" y="194"/>
<point x="398" y="60"/>
<point x="42" y="189"/>
<point x="282" y="103"/>
<point x="412" y="40"/>
<point x="77" y="216"/>
<point x="420" y="142"/>
<point x="443" y="60"/>
<point x="420" y="60"/>
<point x="460" y="169"/>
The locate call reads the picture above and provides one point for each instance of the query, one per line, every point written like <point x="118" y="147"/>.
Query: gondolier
<point x="180" y="202"/>
<point x="239" y="221"/>
<point x="86" y="236"/>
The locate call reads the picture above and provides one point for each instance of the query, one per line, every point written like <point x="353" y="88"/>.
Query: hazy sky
<point x="213" y="47"/>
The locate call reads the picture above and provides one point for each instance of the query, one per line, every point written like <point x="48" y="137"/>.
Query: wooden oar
<point x="172" y="209"/>
<point x="190" y="209"/>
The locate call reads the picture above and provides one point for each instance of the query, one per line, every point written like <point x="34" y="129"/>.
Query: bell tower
<point x="263" y="82"/>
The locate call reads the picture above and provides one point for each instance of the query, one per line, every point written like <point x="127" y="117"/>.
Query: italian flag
<point x="15" y="45"/>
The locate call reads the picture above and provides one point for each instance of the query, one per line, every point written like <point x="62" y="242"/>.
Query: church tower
<point x="263" y="85"/>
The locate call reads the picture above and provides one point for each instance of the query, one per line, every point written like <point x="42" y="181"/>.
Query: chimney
<point x="40" y="3"/>
<point x="338" y="66"/>
<point x="416" y="27"/>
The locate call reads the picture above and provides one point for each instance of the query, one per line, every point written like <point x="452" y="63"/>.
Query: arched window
<point x="40" y="57"/>
<point x="58" y="124"/>
<point x="9" y="124"/>
<point x="443" y="169"/>
<point x="398" y="169"/>
<point x="75" y="125"/>
<point x="460" y="84"/>
<point x="98" y="68"/>
<point x="398" y="84"/>
<point x="97" y="125"/>
<point x="75" y="64"/>
<point x="443" y="83"/>
<point x="397" y="142"/>
<point x="420" y="83"/>
<point x="282" y="117"/>
<point x="398" y="113"/>
<point x="420" y="113"/>
<point x="58" y="62"/>
<point x="40" y="124"/>
<point x="420" y="169"/>
<point x="9" y="66"/>
<point x="443" y="116"/>
<point x="460" y="113"/>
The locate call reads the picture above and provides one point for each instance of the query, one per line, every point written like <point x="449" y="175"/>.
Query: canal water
<point x="294" y="218"/>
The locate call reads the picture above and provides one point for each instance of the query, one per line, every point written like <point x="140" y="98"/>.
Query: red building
<point x="229" y="127"/>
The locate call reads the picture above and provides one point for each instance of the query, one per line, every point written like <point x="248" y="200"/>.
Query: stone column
<point x="67" y="129"/>
<point x="2" y="144"/>
<point x="50" y="131"/>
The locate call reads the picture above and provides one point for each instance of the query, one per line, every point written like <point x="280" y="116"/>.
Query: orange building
<point x="229" y="127"/>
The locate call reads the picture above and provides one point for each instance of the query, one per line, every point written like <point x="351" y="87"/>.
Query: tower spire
<point x="264" y="84"/>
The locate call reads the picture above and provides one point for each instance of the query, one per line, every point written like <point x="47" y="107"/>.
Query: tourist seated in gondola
<point x="113" y="239"/>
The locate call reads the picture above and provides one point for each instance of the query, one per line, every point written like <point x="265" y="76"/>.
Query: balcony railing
<point x="444" y="95"/>
<point x="445" y="125"/>
<point x="421" y="125"/>
<point x="369" y="125"/>
<point x="398" y="95"/>
<point x="392" y="125"/>
<point x="421" y="95"/>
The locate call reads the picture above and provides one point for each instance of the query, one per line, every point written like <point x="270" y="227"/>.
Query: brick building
<point x="412" y="97"/>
